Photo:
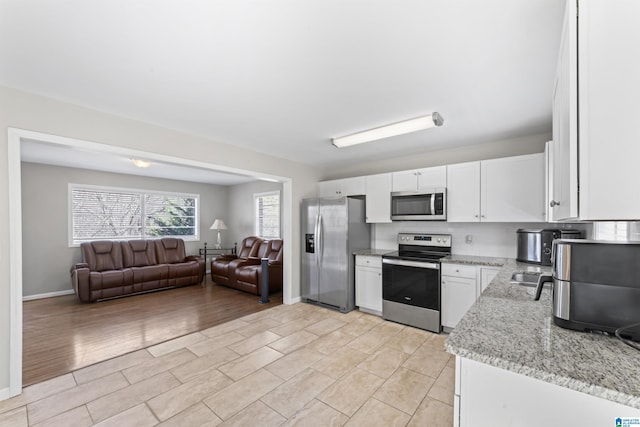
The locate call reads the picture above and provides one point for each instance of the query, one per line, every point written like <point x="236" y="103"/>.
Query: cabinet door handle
<point x="553" y="203"/>
<point x="482" y="216"/>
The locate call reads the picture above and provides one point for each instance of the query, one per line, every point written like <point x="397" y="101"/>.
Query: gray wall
<point x="45" y="218"/>
<point x="23" y="110"/>
<point x="241" y="206"/>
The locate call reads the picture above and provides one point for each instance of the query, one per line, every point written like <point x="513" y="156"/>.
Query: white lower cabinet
<point x="461" y="286"/>
<point x="369" y="283"/>
<point x="490" y="396"/>
<point x="459" y="292"/>
<point x="487" y="274"/>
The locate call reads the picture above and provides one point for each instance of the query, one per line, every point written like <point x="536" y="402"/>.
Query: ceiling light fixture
<point x="141" y="163"/>
<point x="400" y="128"/>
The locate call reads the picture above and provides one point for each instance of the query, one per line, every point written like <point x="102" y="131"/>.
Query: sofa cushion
<point x="102" y="255"/>
<point x="170" y="250"/>
<point x="138" y="253"/>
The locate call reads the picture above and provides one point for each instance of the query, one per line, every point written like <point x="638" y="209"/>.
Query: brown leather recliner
<point x="249" y="275"/>
<point x="223" y="267"/>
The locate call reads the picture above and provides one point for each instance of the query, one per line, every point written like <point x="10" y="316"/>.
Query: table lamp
<point x="219" y="225"/>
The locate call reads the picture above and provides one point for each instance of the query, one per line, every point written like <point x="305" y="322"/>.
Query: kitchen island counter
<point x="507" y="329"/>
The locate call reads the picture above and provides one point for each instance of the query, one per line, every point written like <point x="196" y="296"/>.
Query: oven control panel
<point x="443" y="240"/>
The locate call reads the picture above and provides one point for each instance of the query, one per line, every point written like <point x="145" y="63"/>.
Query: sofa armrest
<point x="252" y="260"/>
<point x="189" y="258"/>
<point x="80" y="281"/>
<point x="228" y="257"/>
<point x="275" y="263"/>
<point x="78" y="266"/>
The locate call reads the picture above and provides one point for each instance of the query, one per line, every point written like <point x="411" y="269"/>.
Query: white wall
<point x="488" y="239"/>
<point x="36" y="113"/>
<point x="46" y="253"/>
<point x="241" y="224"/>
<point x="492" y="150"/>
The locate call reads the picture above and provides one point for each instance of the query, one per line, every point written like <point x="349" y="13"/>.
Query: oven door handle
<point x="417" y="264"/>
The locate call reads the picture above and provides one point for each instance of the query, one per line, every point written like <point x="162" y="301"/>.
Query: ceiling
<point x="284" y="76"/>
<point x="59" y="155"/>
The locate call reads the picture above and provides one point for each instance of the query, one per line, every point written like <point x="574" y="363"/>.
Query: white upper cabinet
<point x="596" y="137"/>
<point x="378" y="197"/>
<point x="342" y="187"/>
<point x="463" y="192"/>
<point x="420" y="179"/>
<point x="563" y="197"/>
<point x="510" y="189"/>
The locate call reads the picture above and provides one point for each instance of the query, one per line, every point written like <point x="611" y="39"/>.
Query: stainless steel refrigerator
<point x="332" y="229"/>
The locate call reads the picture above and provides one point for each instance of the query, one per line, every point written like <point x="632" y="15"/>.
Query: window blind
<point x="267" y="215"/>
<point x="106" y="213"/>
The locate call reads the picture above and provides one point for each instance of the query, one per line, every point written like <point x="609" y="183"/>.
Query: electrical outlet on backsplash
<point x="488" y="239"/>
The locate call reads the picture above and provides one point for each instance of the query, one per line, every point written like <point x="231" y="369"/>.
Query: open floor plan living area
<point x="319" y="213"/>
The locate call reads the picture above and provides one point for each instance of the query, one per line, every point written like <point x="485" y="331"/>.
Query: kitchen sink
<point x="525" y="279"/>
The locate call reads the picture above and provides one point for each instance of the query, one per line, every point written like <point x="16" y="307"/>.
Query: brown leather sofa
<point x="117" y="268"/>
<point x="249" y="275"/>
<point x="241" y="271"/>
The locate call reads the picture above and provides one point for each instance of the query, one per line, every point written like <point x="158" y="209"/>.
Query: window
<point x="119" y="213"/>
<point x="267" y="215"/>
<point x="619" y="230"/>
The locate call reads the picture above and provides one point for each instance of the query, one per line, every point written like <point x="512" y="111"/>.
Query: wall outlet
<point x="469" y="239"/>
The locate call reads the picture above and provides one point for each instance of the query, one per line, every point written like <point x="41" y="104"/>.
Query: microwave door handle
<point x="433" y="203"/>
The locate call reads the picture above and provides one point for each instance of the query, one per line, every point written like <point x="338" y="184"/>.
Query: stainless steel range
<point x="411" y="280"/>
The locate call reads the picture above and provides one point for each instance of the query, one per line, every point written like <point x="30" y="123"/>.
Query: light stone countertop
<point x="372" y="252"/>
<point x="474" y="260"/>
<point x="507" y="329"/>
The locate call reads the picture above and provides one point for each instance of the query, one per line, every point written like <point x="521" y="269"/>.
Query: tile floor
<point x="297" y="365"/>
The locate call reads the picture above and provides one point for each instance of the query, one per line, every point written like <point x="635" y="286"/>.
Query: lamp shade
<point x="218" y="224"/>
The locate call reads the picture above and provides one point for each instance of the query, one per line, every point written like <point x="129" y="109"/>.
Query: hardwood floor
<point x="61" y="334"/>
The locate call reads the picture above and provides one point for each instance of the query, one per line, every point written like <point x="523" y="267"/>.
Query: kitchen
<point x="607" y="192"/>
<point x="509" y="351"/>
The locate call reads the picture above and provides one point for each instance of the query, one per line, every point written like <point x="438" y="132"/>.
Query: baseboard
<point x="48" y="295"/>
<point x="293" y="301"/>
<point x="4" y="394"/>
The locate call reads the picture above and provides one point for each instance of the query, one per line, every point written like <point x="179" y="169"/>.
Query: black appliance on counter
<point x="596" y="286"/>
<point x="411" y="280"/>
<point x="534" y="246"/>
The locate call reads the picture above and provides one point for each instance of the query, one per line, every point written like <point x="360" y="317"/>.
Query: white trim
<point x="15" y="227"/>
<point x="15" y="263"/>
<point x="48" y="295"/>
<point x="290" y="301"/>
<point x="4" y="394"/>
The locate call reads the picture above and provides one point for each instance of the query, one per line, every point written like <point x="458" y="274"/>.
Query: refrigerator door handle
<point x="316" y="240"/>
<point x="320" y="240"/>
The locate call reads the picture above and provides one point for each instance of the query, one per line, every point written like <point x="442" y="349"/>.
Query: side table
<point x="215" y="251"/>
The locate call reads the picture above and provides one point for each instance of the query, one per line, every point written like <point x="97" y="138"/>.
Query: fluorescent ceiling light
<point x="141" y="163"/>
<point x="400" y="128"/>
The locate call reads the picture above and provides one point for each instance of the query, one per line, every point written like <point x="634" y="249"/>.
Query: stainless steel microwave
<point x="428" y="205"/>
